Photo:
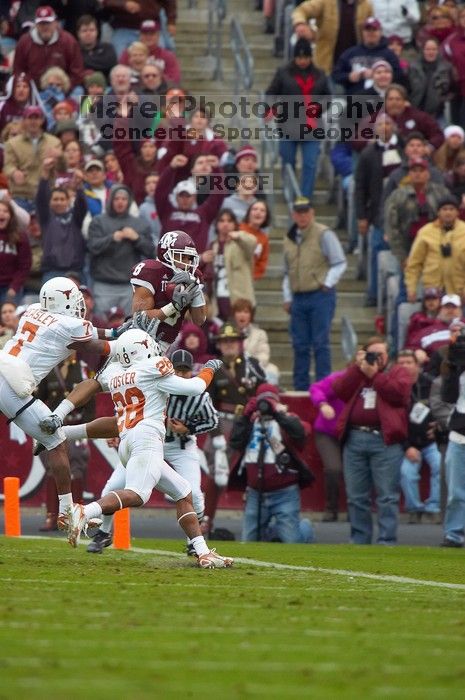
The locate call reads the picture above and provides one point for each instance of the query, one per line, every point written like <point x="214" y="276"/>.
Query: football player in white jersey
<point x="140" y="383"/>
<point x="47" y="334"/>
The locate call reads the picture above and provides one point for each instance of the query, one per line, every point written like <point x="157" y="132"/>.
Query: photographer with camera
<point x="271" y="465"/>
<point x="373" y="427"/>
<point x="437" y="257"/>
<point x="453" y="392"/>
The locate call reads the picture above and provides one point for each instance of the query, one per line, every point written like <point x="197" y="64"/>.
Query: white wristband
<point x="168" y="310"/>
<point x="64" y="408"/>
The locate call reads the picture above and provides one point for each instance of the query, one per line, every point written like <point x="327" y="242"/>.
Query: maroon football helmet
<point x="175" y="244"/>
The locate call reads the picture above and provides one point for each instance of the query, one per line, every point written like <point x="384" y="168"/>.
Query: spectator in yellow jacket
<point x="437" y="257"/>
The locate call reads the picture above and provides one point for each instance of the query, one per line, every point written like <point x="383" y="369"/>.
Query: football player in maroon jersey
<point x="165" y="288"/>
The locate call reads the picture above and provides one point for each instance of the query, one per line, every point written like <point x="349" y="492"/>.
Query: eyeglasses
<point x="151" y="75"/>
<point x="436" y="16"/>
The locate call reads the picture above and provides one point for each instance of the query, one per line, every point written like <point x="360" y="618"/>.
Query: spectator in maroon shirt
<point x="23" y="92"/>
<point x="373" y="427"/>
<point x="136" y="166"/>
<point x="433" y="336"/>
<point x="164" y="59"/>
<point x="453" y="50"/>
<point x="47" y="46"/>
<point x="424" y="318"/>
<point x="15" y="255"/>
<point x="177" y="209"/>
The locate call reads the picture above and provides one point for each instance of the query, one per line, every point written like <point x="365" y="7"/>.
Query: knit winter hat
<point x="303" y="48"/>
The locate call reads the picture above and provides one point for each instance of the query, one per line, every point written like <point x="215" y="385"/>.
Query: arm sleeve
<point x="79" y="208"/>
<point x="332" y="249"/>
<point x="286" y="286"/>
<point x="178" y="385"/>
<point x="291" y="424"/>
<point x="99" y="240"/>
<point x="164" y="187"/>
<point x="394" y="386"/>
<point x="42" y="201"/>
<point x="415" y="264"/>
<point x="22" y="215"/>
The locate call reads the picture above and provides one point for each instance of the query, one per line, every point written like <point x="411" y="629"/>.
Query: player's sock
<point x="199" y="545"/>
<point x="92" y="510"/>
<point x="65" y="501"/>
<point x="75" y="432"/>
<point x="107" y="521"/>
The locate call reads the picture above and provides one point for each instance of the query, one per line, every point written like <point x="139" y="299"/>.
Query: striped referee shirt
<point x="196" y="412"/>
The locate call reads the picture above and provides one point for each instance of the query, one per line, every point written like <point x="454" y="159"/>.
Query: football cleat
<point x="99" y="541"/>
<point x="63" y="519"/>
<point x="77" y="524"/>
<point x="212" y="560"/>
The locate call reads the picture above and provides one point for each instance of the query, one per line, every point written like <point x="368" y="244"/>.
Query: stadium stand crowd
<point x="78" y="203"/>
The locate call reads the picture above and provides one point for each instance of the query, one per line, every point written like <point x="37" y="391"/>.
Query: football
<point x="170" y="287"/>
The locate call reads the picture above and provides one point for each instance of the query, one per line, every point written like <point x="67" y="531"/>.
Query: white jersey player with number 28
<point x="140" y="383"/>
<point x="47" y="334"/>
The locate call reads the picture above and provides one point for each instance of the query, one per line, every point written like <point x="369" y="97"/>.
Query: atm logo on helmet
<point x="168" y="239"/>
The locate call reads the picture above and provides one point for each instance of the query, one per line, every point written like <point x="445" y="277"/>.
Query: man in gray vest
<point x="314" y="262"/>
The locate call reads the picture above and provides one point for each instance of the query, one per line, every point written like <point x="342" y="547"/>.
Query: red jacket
<point x="133" y="168"/>
<point x="15" y="262"/>
<point x="393" y="390"/>
<point x="34" y="58"/>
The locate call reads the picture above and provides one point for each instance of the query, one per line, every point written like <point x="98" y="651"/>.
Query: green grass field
<point x="148" y="625"/>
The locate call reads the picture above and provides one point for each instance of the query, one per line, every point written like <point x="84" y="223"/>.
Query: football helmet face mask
<point x="135" y="346"/>
<point x="173" y="246"/>
<point x="61" y="295"/>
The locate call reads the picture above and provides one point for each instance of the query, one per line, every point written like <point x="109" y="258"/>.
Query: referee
<point x="188" y="416"/>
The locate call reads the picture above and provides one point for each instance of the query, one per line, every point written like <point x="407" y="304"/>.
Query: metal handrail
<point x="217" y="11"/>
<point x="243" y="59"/>
<point x="291" y="189"/>
<point x="269" y="147"/>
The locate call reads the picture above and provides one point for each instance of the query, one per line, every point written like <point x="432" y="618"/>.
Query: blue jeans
<point x="369" y="463"/>
<point x="377" y="244"/>
<point x="311" y="317"/>
<point x="454" y="521"/>
<point x="280" y="511"/>
<point x="310" y="155"/>
<point x="410" y="479"/>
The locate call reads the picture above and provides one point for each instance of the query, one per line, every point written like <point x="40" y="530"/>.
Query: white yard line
<point x="310" y="569"/>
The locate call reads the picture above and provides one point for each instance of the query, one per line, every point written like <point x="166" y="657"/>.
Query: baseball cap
<point x="94" y="163"/>
<point x="182" y="358"/>
<point x="45" y="14"/>
<point x="372" y="23"/>
<point x="33" y="111"/>
<point x="302" y="204"/>
<point x="150" y="25"/>
<point x="418" y="163"/>
<point x="432" y="293"/>
<point x="229" y="332"/>
<point x="185" y="186"/>
<point x="453" y="299"/>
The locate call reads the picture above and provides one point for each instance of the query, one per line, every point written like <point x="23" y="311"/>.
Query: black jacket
<point x="369" y="184"/>
<point x="288" y="81"/>
<point x="101" y="58"/>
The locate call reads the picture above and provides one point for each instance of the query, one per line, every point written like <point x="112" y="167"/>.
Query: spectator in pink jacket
<point x="325" y="434"/>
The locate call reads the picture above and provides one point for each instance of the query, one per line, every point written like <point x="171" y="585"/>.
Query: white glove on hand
<point x="51" y="424"/>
